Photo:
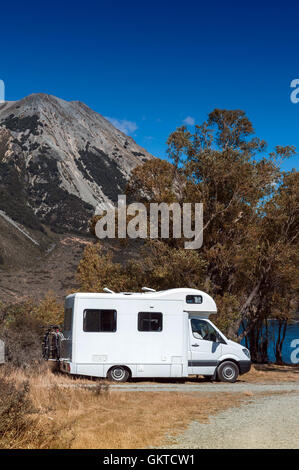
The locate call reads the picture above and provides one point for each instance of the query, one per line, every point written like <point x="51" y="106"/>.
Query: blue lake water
<point x="290" y="350"/>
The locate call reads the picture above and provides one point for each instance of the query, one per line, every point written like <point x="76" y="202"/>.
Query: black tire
<point x="228" y="372"/>
<point x="118" y="374"/>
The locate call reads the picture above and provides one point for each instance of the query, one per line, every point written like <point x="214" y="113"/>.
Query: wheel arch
<point x="120" y="365"/>
<point x="229" y="359"/>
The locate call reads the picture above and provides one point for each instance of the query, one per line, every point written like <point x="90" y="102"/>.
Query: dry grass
<point x="267" y="373"/>
<point x="67" y="416"/>
<point x="93" y="418"/>
<point x="138" y="420"/>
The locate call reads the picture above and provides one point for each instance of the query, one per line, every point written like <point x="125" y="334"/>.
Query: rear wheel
<point x="228" y="372"/>
<point x="118" y="374"/>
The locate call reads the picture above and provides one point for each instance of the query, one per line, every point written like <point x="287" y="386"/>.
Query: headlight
<point x="245" y="351"/>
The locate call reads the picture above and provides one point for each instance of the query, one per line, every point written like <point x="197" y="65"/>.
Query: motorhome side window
<point x="194" y="299"/>
<point x="150" y="321"/>
<point x="68" y="317"/>
<point x="99" y="320"/>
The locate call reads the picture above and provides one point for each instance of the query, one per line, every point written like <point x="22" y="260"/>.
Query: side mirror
<point x="214" y="338"/>
<point x="220" y="340"/>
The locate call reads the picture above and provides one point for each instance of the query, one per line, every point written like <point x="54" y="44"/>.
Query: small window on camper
<point x="99" y="320"/>
<point x="194" y="299"/>
<point x="68" y="317"/>
<point x="149" y="321"/>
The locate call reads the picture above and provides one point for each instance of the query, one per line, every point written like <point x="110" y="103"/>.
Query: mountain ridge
<point x="65" y="160"/>
<point x="59" y="161"/>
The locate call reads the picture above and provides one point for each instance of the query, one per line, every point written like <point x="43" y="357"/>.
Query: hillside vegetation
<point x="248" y="261"/>
<point x="249" y="258"/>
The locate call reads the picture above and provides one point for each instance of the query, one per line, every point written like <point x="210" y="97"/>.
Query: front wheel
<point x="228" y="372"/>
<point x="118" y="374"/>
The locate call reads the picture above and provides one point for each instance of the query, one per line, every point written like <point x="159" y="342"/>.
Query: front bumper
<point x="244" y="366"/>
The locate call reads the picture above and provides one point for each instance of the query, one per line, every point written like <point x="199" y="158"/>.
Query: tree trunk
<point x="282" y="329"/>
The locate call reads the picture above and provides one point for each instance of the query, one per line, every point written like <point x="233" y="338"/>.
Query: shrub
<point x="15" y="408"/>
<point x="22" y="327"/>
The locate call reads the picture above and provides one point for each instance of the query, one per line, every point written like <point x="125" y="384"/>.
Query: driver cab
<point x="205" y="346"/>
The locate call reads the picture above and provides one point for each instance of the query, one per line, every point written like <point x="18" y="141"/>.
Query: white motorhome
<point x="149" y="334"/>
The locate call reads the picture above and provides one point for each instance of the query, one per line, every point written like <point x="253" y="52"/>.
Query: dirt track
<point x="264" y="423"/>
<point x="205" y="387"/>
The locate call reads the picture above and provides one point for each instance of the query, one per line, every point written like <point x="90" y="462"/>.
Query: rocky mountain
<point x="59" y="160"/>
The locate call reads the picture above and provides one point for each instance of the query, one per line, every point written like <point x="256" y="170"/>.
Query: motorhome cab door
<point x="204" y="347"/>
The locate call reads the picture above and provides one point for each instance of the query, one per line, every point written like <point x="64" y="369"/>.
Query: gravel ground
<point x="263" y="423"/>
<point x="207" y="387"/>
<point x="200" y="388"/>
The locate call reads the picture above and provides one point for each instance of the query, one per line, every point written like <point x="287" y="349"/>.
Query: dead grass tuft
<point x="15" y="407"/>
<point x="267" y="373"/>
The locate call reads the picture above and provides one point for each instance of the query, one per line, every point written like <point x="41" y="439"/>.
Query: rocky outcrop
<point x="59" y="160"/>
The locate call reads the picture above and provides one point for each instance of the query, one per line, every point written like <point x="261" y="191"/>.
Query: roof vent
<point x="109" y="291"/>
<point x="148" y="289"/>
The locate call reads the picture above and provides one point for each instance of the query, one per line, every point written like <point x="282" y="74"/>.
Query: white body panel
<point x="172" y="352"/>
<point x="141" y="351"/>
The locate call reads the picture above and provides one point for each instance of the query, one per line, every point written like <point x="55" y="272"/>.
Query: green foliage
<point x="22" y="327"/>
<point x="157" y="265"/>
<point x="248" y="260"/>
<point x="228" y="306"/>
<point x="13" y="197"/>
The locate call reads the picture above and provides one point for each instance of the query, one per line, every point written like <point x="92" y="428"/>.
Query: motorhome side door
<point x="204" y="348"/>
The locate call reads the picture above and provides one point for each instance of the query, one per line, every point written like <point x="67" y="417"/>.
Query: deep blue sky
<point x="156" y="63"/>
